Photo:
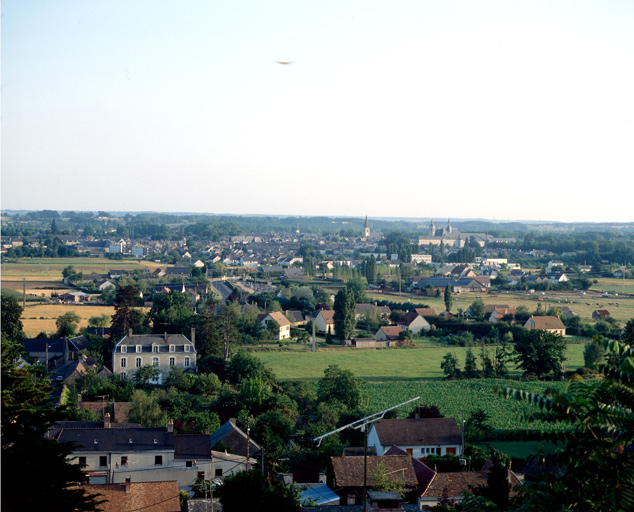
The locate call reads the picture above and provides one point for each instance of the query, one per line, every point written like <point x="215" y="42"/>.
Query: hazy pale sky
<point x="405" y="108"/>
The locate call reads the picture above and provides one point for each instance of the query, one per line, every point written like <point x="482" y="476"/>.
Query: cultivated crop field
<point x="383" y="365"/>
<point x="50" y="269"/>
<point x="41" y="318"/>
<point x="459" y="398"/>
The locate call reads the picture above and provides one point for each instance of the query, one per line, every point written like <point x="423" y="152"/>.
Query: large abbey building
<point x="448" y="236"/>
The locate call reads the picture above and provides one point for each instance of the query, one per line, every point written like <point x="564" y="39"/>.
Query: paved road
<point x="221" y="287"/>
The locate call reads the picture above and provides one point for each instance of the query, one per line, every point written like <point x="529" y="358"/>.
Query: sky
<point x="504" y="110"/>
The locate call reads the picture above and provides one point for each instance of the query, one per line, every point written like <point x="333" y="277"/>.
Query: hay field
<point x="50" y="269"/>
<point x="583" y="305"/>
<point x="41" y="317"/>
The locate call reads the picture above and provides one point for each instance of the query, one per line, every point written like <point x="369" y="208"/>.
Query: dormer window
<point x="124" y="349"/>
<point x="187" y="348"/>
<point x="172" y="348"/>
<point x="138" y="348"/>
<point x="155" y="349"/>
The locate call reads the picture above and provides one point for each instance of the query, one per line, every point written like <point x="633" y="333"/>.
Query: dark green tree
<point x="249" y="490"/>
<point x="470" y="365"/>
<point x="540" y="352"/>
<point x="448" y="298"/>
<point x="126" y="315"/>
<point x="171" y="313"/>
<point x="497" y="489"/>
<point x="67" y="324"/>
<point x="208" y="336"/>
<point x="450" y="366"/>
<point x="344" y="316"/>
<point x="341" y="385"/>
<point x="11" y="318"/>
<point x="27" y="412"/>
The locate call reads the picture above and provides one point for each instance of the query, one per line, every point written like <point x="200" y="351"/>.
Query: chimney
<point x="193" y="337"/>
<point x="106" y="420"/>
<point x="127" y="485"/>
<point x="165" y="336"/>
<point x="170" y="425"/>
<point x="130" y="333"/>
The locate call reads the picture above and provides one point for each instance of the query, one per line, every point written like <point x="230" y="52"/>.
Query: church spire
<point x="366" y="229"/>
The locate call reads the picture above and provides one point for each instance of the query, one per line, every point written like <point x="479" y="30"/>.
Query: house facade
<point x="282" y="321"/>
<point x="414" y="322"/>
<point x="163" y="351"/>
<point x="419" y="437"/>
<point x="325" y="321"/>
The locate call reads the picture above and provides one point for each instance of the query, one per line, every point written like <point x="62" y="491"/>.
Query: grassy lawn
<point x="383" y="365"/>
<point x="50" y="269"/>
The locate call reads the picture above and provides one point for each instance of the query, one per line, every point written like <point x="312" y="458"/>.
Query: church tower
<point x="366" y="229"/>
<point x="432" y="228"/>
<point x="449" y="226"/>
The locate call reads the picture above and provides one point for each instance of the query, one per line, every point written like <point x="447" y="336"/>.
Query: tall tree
<point x="540" y="352"/>
<point x="171" y="312"/>
<point x="126" y="315"/>
<point x="448" y="298"/>
<point x="27" y="412"/>
<point x="11" y="318"/>
<point x="344" y="316"/>
<point x="208" y="336"/>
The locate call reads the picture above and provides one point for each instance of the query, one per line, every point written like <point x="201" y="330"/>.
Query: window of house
<point x="172" y="348"/>
<point x="138" y="348"/>
<point x="138" y="362"/>
<point x="82" y="460"/>
<point x="155" y="348"/>
<point x="187" y="347"/>
<point x="218" y="472"/>
<point x="172" y="361"/>
<point x="189" y="464"/>
<point x="158" y="460"/>
<point x="124" y="349"/>
<point x="124" y="362"/>
<point x="201" y="474"/>
<point x="103" y="461"/>
<point x="124" y="460"/>
<point x="155" y="361"/>
<point x="123" y="375"/>
<point x="187" y="362"/>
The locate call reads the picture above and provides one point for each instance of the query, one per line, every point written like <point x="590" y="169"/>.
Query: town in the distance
<point x="197" y="362"/>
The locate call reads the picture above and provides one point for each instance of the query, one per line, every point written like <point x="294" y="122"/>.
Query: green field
<point x="458" y="398"/>
<point x="383" y="365"/>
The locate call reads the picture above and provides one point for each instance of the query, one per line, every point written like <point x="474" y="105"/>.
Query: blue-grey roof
<point x="117" y="439"/>
<point x="321" y="495"/>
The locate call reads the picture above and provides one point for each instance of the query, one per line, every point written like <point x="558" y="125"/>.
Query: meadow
<point x="382" y="365"/>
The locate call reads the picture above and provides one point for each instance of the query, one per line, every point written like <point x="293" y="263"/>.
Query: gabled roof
<point x="424" y="474"/>
<point x="233" y="439"/>
<point x="426" y="311"/>
<point x="408" y="318"/>
<point x="279" y="318"/>
<point x="418" y="432"/>
<point x="545" y="323"/>
<point x="348" y="471"/>
<point x="391" y="332"/>
<point x="327" y="314"/>
<point x="146" y="496"/>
